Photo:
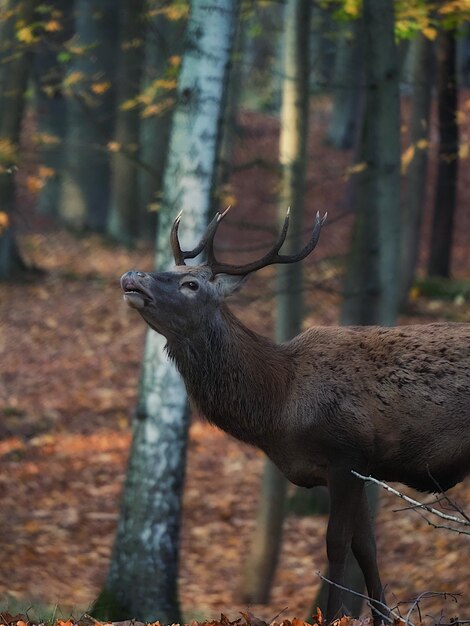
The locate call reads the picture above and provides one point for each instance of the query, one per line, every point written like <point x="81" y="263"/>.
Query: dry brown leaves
<point x="246" y="619"/>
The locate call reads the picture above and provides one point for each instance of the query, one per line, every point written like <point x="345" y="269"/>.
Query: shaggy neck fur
<point x="238" y="380"/>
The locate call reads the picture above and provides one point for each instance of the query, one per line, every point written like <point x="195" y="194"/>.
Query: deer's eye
<point x="191" y="284"/>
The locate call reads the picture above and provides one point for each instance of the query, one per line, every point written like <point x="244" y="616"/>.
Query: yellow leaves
<point x="129" y="104"/>
<point x="454" y="6"/>
<point x="4" y="221"/>
<point x="352" y="8"/>
<point x="430" y="32"/>
<point x="174" y="61"/>
<point x="464" y="150"/>
<point x="46" y="172"/>
<point x="175" y="11"/>
<point x="165" y="84"/>
<point x="46" y="139"/>
<point x="53" y="26"/>
<point x="73" y="79"/>
<point x="406" y="158"/>
<point x="137" y="42"/>
<point x="114" y="146"/>
<point x="409" y="154"/>
<point x="8" y="150"/>
<point x="357" y="168"/>
<point x="100" y="87"/>
<point x="158" y="108"/>
<point x="153" y="207"/>
<point x="34" y="184"/>
<point x="26" y="35"/>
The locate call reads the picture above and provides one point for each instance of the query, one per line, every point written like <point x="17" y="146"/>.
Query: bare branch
<point x="372" y="603"/>
<point x="422" y="596"/>
<point x="422" y="505"/>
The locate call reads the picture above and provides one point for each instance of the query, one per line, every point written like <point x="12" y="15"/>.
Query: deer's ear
<point x="226" y="284"/>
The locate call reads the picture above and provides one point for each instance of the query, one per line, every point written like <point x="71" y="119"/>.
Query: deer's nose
<point x="130" y="278"/>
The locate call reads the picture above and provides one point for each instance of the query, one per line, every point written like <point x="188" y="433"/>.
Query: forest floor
<point x="71" y="353"/>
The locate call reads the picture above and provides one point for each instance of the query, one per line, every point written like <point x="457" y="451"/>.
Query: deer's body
<point x="390" y="402"/>
<point x="381" y="396"/>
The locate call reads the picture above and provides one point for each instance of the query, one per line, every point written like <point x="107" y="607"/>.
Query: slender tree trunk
<point x="371" y="293"/>
<point x="348" y="70"/>
<point x="142" y="580"/>
<point x="258" y="572"/>
<point x="229" y="125"/>
<point x="14" y="66"/>
<point x="439" y="263"/>
<point x="372" y="285"/>
<point x="51" y="115"/>
<point x="413" y="202"/>
<point x="123" y="217"/>
<point x="164" y="42"/>
<point x="85" y="192"/>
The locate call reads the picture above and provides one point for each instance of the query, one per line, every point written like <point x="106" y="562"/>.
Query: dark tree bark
<point x="439" y="263"/>
<point x="15" y="57"/>
<point x="85" y="193"/>
<point x="48" y="75"/>
<point x="123" y="217"/>
<point x="348" y="70"/>
<point x="372" y="285"/>
<point x="414" y="196"/>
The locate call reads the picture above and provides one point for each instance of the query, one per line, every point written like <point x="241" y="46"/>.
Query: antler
<point x="270" y="258"/>
<point x="181" y="255"/>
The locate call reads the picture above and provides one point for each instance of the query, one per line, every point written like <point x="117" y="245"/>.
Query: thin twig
<point x="365" y="597"/>
<point x="422" y="596"/>
<point x="415" y="503"/>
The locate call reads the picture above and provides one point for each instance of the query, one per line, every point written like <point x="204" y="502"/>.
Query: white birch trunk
<point x="142" y="580"/>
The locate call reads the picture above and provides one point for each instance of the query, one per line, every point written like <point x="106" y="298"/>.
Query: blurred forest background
<point x="114" y="115"/>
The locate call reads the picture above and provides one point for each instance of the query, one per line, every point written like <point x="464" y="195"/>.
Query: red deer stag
<point x="393" y="403"/>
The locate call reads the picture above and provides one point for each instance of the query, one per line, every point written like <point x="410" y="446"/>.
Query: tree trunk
<point x="372" y="286"/>
<point x="258" y="572"/>
<point x="446" y="187"/>
<point x="371" y="293"/>
<point x="142" y="580"/>
<point x="413" y="202"/>
<point x="85" y="192"/>
<point x="342" y="128"/>
<point x="123" y="217"/>
<point x="48" y="75"/>
<point x="14" y="66"/>
<point x="164" y="41"/>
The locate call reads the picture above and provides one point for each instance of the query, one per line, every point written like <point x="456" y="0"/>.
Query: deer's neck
<point x="237" y="379"/>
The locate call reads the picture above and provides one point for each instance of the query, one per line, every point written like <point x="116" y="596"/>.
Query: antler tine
<point x="181" y="255"/>
<point x="273" y="256"/>
<point x="211" y="260"/>
<point x="293" y="258"/>
<point x="175" y="244"/>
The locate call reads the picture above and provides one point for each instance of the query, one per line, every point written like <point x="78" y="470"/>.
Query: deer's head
<point x="177" y="302"/>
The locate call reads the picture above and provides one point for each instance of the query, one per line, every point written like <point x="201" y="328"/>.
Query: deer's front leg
<point x="346" y="493"/>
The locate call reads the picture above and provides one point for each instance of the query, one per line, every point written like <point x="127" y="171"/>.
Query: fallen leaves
<point x="247" y="619"/>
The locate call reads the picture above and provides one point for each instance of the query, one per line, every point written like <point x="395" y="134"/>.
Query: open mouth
<point x="135" y="295"/>
<point x="136" y="299"/>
